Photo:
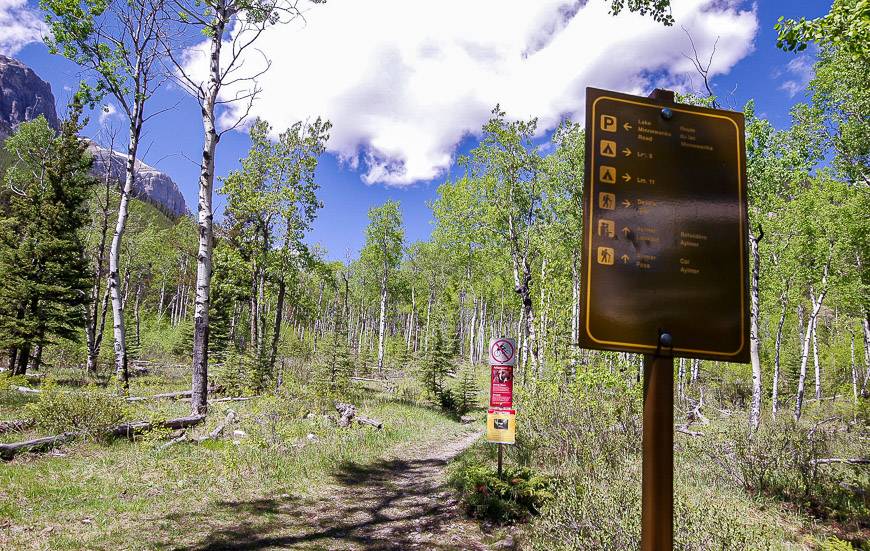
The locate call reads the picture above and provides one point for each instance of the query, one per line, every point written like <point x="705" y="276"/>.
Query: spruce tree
<point x="45" y="274"/>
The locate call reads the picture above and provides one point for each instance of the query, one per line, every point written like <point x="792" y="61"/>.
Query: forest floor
<point x="400" y="501"/>
<point x="290" y="480"/>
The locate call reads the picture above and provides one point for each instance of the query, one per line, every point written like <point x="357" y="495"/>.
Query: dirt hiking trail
<point x="399" y="502"/>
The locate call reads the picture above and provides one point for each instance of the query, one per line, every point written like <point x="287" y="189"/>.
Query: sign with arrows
<point x="665" y="228"/>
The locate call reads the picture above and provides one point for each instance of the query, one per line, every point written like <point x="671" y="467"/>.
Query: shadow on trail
<point x="389" y="504"/>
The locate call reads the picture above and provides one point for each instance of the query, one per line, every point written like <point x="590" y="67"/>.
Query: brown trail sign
<point x="664" y="257"/>
<point x="665" y="228"/>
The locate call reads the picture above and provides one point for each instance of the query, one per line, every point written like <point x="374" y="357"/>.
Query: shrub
<point x="89" y="412"/>
<point x="515" y="495"/>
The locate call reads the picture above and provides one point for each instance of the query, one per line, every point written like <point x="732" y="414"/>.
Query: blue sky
<point x="410" y="90"/>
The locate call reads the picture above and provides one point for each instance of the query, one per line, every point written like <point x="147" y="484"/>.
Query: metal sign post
<point x="657" y="501"/>
<point x="500" y="418"/>
<point x="664" y="257"/>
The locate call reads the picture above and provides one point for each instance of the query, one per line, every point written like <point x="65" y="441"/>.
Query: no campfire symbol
<point x="502" y="351"/>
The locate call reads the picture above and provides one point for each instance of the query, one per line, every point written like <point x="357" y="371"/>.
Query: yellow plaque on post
<point x="501" y="426"/>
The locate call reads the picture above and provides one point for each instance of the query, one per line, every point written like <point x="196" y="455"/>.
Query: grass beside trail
<point x="129" y="495"/>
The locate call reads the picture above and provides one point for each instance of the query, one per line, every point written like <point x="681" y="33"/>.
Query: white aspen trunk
<point x="816" y="365"/>
<point x="161" y="300"/>
<point x="866" y="325"/>
<point x="428" y="319"/>
<point x="199" y="379"/>
<point x="523" y="343"/>
<point x="681" y="376"/>
<point x="696" y="368"/>
<point x="411" y="320"/>
<point x="471" y="331"/>
<point x="383" y="321"/>
<point x="776" y="354"/>
<point x="817" y="305"/>
<point x="318" y="327"/>
<point x="542" y="331"/>
<point x="139" y="289"/>
<point x="262" y="306"/>
<point x="482" y="340"/>
<point x="114" y="281"/>
<point x="754" y="356"/>
<point x="575" y="309"/>
<point x="853" y="366"/>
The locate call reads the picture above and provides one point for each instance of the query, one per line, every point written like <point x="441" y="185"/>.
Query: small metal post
<point x="500" y="446"/>
<point x="657" y="509"/>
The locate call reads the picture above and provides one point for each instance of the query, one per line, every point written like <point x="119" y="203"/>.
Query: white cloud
<point x="801" y="72"/>
<point x="107" y="111"/>
<point x="19" y="26"/>
<point x="403" y="82"/>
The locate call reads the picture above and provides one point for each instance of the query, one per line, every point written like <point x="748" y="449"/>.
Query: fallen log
<point x="685" y="430"/>
<point x="842" y="460"/>
<point x="9" y="451"/>
<point x="16" y="425"/>
<point x="366" y="421"/>
<point x="165" y="395"/>
<point x="215" y="434"/>
<point x="233" y="399"/>
<point x="130" y="430"/>
<point x="348" y="414"/>
<point x="26" y="390"/>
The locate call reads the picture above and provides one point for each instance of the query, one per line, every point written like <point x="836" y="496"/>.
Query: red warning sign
<point x="501" y="387"/>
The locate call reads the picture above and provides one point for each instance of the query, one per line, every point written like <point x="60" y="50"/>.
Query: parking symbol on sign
<point x="608" y="123"/>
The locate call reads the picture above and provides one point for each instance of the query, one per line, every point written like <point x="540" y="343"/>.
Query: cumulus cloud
<point x="403" y="82"/>
<point x="800" y="72"/>
<point x="19" y="26"/>
<point x="107" y="111"/>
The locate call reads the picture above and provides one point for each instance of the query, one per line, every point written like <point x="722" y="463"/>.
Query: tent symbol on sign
<point x="608" y="148"/>
<point x="607" y="174"/>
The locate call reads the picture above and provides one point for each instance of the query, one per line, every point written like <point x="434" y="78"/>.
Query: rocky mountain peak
<point x="24" y="96"/>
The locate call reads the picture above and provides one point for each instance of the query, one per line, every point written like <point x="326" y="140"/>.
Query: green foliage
<point x="516" y="494"/>
<point x="466" y="389"/>
<point x="41" y="253"/>
<point x="659" y="10"/>
<point x="91" y="412"/>
<point x="240" y="374"/>
<point x="845" y="27"/>
<point x="433" y="370"/>
<point x="835" y="544"/>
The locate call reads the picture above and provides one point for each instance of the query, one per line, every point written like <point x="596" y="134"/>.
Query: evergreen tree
<point x="45" y="283"/>
<point x="434" y="368"/>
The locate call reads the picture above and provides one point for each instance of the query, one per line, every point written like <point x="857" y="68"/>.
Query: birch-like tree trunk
<point x="805" y="352"/>
<point x="816" y="365"/>
<point x="866" y="325"/>
<point x="205" y="219"/>
<point x="755" y="409"/>
<point x="382" y="324"/>
<point x="777" y="347"/>
<point x="853" y="366"/>
<point x="114" y="280"/>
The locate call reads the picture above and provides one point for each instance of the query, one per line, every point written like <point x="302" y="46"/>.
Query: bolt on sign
<point x="665" y="228"/>
<point x="502" y="351"/>
<point x="501" y="426"/>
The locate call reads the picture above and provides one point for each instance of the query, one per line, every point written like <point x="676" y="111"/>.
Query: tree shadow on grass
<point x="392" y="504"/>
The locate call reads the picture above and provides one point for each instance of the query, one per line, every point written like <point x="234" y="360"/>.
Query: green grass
<point x="128" y="495"/>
